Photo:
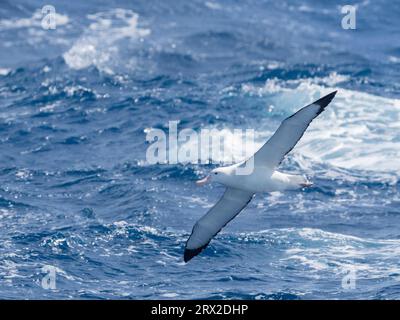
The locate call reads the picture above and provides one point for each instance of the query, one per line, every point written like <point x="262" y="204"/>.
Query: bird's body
<point x="262" y="179"/>
<point x="256" y="174"/>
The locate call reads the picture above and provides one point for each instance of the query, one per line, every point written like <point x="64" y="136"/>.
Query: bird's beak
<point x="203" y="181"/>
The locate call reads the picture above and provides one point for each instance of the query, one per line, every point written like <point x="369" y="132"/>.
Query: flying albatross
<point x="240" y="188"/>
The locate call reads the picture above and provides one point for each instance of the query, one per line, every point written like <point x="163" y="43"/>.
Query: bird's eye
<point x="215" y="173"/>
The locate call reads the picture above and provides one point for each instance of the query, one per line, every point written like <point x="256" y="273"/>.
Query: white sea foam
<point x="98" y="45"/>
<point x="170" y="295"/>
<point x="34" y="21"/>
<point x="4" y="71"/>
<point x="324" y="252"/>
<point x="213" y="5"/>
<point x="394" y="59"/>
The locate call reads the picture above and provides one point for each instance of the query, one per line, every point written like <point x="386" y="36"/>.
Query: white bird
<point x="240" y="188"/>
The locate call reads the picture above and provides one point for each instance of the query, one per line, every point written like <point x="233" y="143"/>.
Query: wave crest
<point x="98" y="44"/>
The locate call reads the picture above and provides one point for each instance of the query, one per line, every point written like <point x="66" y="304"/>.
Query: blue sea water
<point x="77" y="194"/>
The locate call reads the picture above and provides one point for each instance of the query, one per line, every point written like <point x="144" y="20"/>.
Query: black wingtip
<point x="324" y="101"/>
<point x="190" y="253"/>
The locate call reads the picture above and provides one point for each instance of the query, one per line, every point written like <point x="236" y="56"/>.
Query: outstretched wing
<point x="289" y="133"/>
<point x="231" y="203"/>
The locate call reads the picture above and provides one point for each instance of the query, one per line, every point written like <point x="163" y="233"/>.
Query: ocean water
<point x="77" y="195"/>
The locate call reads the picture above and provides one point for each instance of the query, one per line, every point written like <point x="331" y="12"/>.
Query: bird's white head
<point x="217" y="175"/>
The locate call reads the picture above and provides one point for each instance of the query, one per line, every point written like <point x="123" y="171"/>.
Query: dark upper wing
<point x="231" y="203"/>
<point x="289" y="133"/>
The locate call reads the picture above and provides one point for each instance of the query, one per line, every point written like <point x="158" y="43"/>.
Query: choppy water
<point x="76" y="192"/>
